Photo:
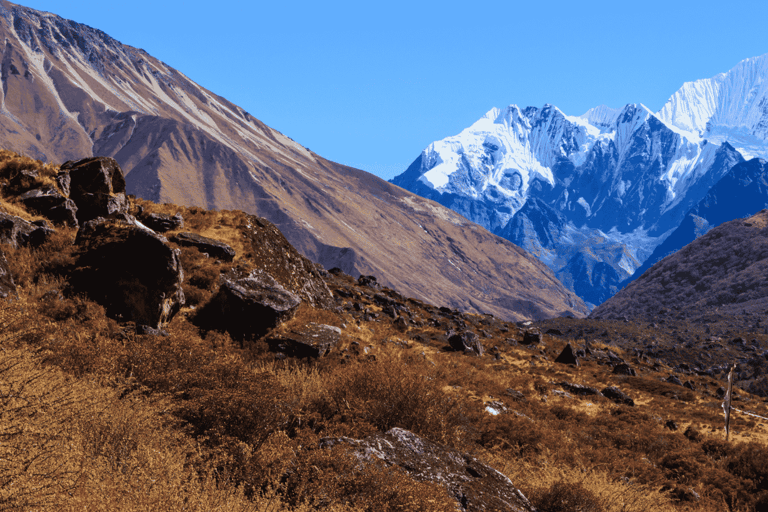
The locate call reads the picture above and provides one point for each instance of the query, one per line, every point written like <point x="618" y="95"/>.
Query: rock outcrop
<point x="248" y="305"/>
<point x="567" y="356"/>
<point x="129" y="269"/>
<point x="209" y="246"/>
<point x="467" y="342"/>
<point x="617" y="396"/>
<point x="474" y="485"/>
<point x="312" y="340"/>
<point x="161" y="222"/>
<point x="271" y="252"/>
<point x="16" y="231"/>
<point x="97" y="187"/>
<point x="52" y="204"/>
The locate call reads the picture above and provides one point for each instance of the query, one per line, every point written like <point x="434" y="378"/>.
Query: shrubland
<point x="97" y="417"/>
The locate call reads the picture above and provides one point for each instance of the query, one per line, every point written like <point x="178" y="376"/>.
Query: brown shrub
<point x="35" y="460"/>
<point x="333" y="475"/>
<point x="49" y="261"/>
<point x="682" y="466"/>
<point x="401" y="393"/>
<point x="750" y="462"/>
<point x="11" y="165"/>
<point x="521" y="436"/>
<point x="567" y="497"/>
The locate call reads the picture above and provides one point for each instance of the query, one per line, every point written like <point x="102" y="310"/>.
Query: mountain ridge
<point x="71" y="91"/>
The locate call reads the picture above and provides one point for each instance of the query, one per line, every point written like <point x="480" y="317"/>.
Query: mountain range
<point x="70" y="91"/>
<point x="593" y="196"/>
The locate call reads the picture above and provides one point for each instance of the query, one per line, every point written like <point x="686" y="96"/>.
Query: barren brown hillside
<point x="70" y="91"/>
<point x="722" y="272"/>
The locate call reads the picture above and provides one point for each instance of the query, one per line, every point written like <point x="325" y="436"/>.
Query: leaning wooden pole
<point x="727" y="403"/>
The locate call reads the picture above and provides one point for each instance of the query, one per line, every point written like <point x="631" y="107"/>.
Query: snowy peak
<point x="731" y="107"/>
<point x="691" y="107"/>
<point x="602" y="117"/>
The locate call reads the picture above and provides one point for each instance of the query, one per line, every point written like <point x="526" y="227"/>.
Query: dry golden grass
<point x="602" y="491"/>
<point x="11" y="165"/>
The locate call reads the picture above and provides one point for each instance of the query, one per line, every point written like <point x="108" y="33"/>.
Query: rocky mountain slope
<point x="593" y="196"/>
<point x="70" y="91"/>
<point x="723" y="271"/>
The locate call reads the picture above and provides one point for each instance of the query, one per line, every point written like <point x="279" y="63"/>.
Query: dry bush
<point x="201" y="276"/>
<point x="36" y="459"/>
<point x="328" y="476"/>
<point x="199" y="270"/>
<point x="555" y="487"/>
<point x="565" y="496"/>
<point x="11" y="165"/>
<point x="72" y="445"/>
<point x="392" y="392"/>
<point x="749" y="461"/>
<point x="198" y="219"/>
<point x="520" y="436"/>
<point x="53" y="259"/>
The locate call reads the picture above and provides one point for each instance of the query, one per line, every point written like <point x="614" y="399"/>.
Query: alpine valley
<point x="70" y="91"/>
<point x="594" y="196"/>
<point x="168" y="340"/>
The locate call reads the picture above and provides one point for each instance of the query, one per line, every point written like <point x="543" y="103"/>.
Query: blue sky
<point x="370" y="84"/>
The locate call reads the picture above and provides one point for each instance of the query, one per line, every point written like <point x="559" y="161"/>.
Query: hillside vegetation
<point x="98" y="417"/>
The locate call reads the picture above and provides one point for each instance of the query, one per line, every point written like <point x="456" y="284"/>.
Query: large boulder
<point x="532" y="337"/>
<point x="209" y="246"/>
<point x="97" y="187"/>
<point x="248" y="305"/>
<point x="309" y="341"/>
<point x="129" y="269"/>
<point x="162" y="222"/>
<point x="50" y="202"/>
<point x="618" y="396"/>
<point x="567" y="356"/>
<point x="270" y="251"/>
<point x="16" y="231"/>
<point x="467" y="342"/>
<point x="474" y="485"/>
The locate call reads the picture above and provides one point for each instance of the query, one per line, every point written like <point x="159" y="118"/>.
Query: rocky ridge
<point x="739" y="194"/>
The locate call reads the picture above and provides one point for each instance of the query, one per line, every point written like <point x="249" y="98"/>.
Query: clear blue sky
<point x="370" y="84"/>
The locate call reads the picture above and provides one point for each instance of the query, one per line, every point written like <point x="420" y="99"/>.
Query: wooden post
<point x="727" y="403"/>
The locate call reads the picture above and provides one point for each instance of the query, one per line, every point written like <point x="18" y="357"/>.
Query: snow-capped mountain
<point x="731" y="107"/>
<point x="593" y="195"/>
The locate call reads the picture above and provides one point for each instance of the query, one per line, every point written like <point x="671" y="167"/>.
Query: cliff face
<point x="71" y="91"/>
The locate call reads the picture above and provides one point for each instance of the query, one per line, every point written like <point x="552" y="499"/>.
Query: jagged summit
<point x="620" y="178"/>
<point x="602" y="116"/>
<point x="731" y="106"/>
